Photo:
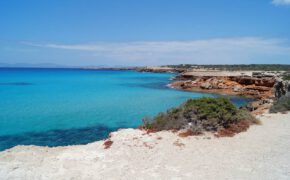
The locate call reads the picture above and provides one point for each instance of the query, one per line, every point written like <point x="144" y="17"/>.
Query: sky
<point x="147" y="32"/>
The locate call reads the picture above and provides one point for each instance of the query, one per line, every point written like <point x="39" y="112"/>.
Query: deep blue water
<point x="53" y="107"/>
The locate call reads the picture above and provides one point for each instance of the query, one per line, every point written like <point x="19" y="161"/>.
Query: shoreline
<point x="216" y="92"/>
<point x="135" y="154"/>
<point x="156" y="70"/>
<point x="245" y="83"/>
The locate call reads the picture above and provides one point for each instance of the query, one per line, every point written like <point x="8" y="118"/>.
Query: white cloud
<point x="214" y="51"/>
<point x="281" y="2"/>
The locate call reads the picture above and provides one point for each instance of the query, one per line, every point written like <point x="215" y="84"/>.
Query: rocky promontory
<point x="232" y="83"/>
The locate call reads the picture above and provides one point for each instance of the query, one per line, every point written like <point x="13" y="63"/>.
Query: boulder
<point x="237" y="89"/>
<point x="222" y="86"/>
<point x="206" y="85"/>
<point x="177" y="84"/>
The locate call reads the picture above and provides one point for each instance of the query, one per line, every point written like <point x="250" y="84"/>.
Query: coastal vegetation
<point x="286" y="77"/>
<point x="204" y="114"/>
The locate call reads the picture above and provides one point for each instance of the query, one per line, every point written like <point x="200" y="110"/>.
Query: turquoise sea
<point x="54" y="107"/>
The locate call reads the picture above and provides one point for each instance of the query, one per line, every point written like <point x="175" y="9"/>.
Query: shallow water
<point x="53" y="107"/>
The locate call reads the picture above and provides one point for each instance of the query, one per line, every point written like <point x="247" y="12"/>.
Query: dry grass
<point x="234" y="129"/>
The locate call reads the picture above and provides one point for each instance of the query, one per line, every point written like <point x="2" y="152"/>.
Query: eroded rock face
<point x="206" y="85"/>
<point x="282" y="88"/>
<point x="258" y="107"/>
<point x="254" y="87"/>
<point x="265" y="81"/>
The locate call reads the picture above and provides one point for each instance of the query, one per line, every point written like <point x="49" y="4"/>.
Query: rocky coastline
<point x="258" y="88"/>
<point x="263" y="86"/>
<point x="261" y="153"/>
<point x="253" y="84"/>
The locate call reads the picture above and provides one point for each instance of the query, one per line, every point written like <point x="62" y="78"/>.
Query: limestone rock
<point x="206" y="85"/>
<point x="237" y="89"/>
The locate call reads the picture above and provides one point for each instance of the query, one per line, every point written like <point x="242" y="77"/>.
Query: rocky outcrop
<point x="253" y="87"/>
<point x="281" y="88"/>
<point x="206" y="85"/>
<point x="262" y="81"/>
<point x="259" y="106"/>
<point x="262" y="86"/>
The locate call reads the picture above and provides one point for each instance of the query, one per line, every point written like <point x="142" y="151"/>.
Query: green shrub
<point x="204" y="114"/>
<point x="244" y="114"/>
<point x="286" y="77"/>
<point x="281" y="105"/>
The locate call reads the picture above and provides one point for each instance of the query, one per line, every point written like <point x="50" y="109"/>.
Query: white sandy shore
<point x="263" y="152"/>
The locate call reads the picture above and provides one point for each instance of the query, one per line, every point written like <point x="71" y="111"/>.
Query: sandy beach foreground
<point x="260" y="153"/>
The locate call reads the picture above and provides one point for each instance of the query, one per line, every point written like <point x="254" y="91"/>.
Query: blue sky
<point x="148" y="32"/>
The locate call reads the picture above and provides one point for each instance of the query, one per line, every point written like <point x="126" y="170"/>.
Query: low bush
<point x="281" y="105"/>
<point x="286" y="76"/>
<point x="204" y="114"/>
